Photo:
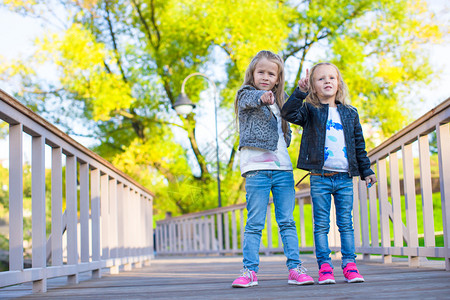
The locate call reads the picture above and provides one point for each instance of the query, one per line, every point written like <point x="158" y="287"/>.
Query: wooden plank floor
<point x="211" y="277"/>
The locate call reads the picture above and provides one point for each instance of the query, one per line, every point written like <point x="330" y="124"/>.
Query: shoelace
<point x="247" y="273"/>
<point x="300" y="269"/>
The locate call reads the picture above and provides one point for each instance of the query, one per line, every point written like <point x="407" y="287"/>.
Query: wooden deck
<point x="211" y="277"/>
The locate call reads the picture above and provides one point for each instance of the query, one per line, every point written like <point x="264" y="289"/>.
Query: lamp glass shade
<point x="183" y="105"/>
<point x="183" y="109"/>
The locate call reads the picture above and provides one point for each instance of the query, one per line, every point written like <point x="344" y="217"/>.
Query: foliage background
<point x="119" y="65"/>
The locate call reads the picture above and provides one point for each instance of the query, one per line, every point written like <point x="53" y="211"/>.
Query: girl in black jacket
<point x="333" y="150"/>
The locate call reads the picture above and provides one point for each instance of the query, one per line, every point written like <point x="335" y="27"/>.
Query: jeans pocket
<point x="250" y="174"/>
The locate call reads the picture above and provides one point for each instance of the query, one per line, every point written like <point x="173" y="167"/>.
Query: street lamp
<point x="184" y="106"/>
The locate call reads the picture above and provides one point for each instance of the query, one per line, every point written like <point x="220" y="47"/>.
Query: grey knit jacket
<point x="258" y="126"/>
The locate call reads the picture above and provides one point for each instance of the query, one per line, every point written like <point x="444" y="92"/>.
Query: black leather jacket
<point x="313" y="120"/>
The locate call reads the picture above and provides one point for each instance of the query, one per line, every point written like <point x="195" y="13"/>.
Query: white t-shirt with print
<point x="335" y="150"/>
<point x="252" y="159"/>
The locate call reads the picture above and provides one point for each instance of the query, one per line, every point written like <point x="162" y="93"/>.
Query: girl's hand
<point x="267" y="98"/>
<point x="370" y="180"/>
<point x="303" y="83"/>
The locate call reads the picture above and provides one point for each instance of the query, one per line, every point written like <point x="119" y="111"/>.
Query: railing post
<point x="151" y="235"/>
<point x="127" y="226"/>
<point x="179" y="236"/>
<point x="212" y="232"/>
<point x="84" y="212"/>
<point x="410" y="202"/>
<point x="189" y="235"/>
<point x="57" y="212"/>
<point x="113" y="219"/>
<point x="104" y="205"/>
<point x="120" y="220"/>
<point x="38" y="208"/>
<point x="362" y="192"/>
<point x="356" y="213"/>
<point x="220" y="230"/>
<point x="72" y="220"/>
<point x="15" y="198"/>
<point x="443" y="143"/>
<point x="395" y="196"/>
<point x="384" y="209"/>
<point x="373" y="216"/>
<point x="140" y="228"/>
<point x="227" y="230"/>
<point x="95" y="219"/>
<point x="426" y="191"/>
<point x="233" y="229"/>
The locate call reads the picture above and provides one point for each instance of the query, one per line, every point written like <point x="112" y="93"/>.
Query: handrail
<point x="220" y="230"/>
<point x="24" y="111"/>
<point x="406" y="135"/>
<point x="108" y="215"/>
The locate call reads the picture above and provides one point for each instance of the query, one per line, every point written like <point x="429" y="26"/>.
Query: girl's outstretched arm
<point x="249" y="97"/>
<point x="294" y="110"/>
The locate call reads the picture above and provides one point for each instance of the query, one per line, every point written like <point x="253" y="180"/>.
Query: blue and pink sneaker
<point x="298" y="276"/>
<point x="351" y="273"/>
<point x="247" y="279"/>
<point x="326" y="274"/>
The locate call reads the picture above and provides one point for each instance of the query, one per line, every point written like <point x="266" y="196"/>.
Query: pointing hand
<point x="303" y="83"/>
<point x="267" y="98"/>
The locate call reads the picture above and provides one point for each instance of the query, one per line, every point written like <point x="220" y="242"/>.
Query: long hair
<point x="342" y="91"/>
<point x="277" y="90"/>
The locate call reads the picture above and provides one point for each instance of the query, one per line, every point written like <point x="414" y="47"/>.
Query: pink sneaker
<point x="247" y="279"/>
<point x="351" y="273"/>
<point x="298" y="276"/>
<point x="326" y="274"/>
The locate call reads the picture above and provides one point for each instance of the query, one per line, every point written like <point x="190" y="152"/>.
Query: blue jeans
<point x="341" y="187"/>
<point x="258" y="186"/>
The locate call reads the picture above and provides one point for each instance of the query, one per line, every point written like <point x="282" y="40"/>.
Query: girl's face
<point x="265" y="76"/>
<point x="325" y="82"/>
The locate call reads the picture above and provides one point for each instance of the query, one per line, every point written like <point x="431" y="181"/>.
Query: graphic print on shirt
<point x="328" y="153"/>
<point x="266" y="157"/>
<point x="335" y="154"/>
<point x="331" y="124"/>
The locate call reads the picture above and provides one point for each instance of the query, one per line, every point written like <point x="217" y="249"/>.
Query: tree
<point x="120" y="65"/>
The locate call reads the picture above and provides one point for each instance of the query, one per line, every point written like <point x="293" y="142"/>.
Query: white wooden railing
<point x="377" y="210"/>
<point x="107" y="218"/>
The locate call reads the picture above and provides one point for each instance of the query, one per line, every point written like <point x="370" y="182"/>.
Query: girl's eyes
<point x="262" y="72"/>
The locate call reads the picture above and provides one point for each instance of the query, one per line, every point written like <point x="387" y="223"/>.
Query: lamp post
<point x="184" y="106"/>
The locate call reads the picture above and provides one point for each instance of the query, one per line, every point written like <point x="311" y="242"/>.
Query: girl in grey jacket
<point x="265" y="163"/>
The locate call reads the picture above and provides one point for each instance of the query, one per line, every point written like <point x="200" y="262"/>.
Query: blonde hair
<point x="342" y="91"/>
<point x="278" y="89"/>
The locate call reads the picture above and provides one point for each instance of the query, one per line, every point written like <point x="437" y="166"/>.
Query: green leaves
<point x="121" y="64"/>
